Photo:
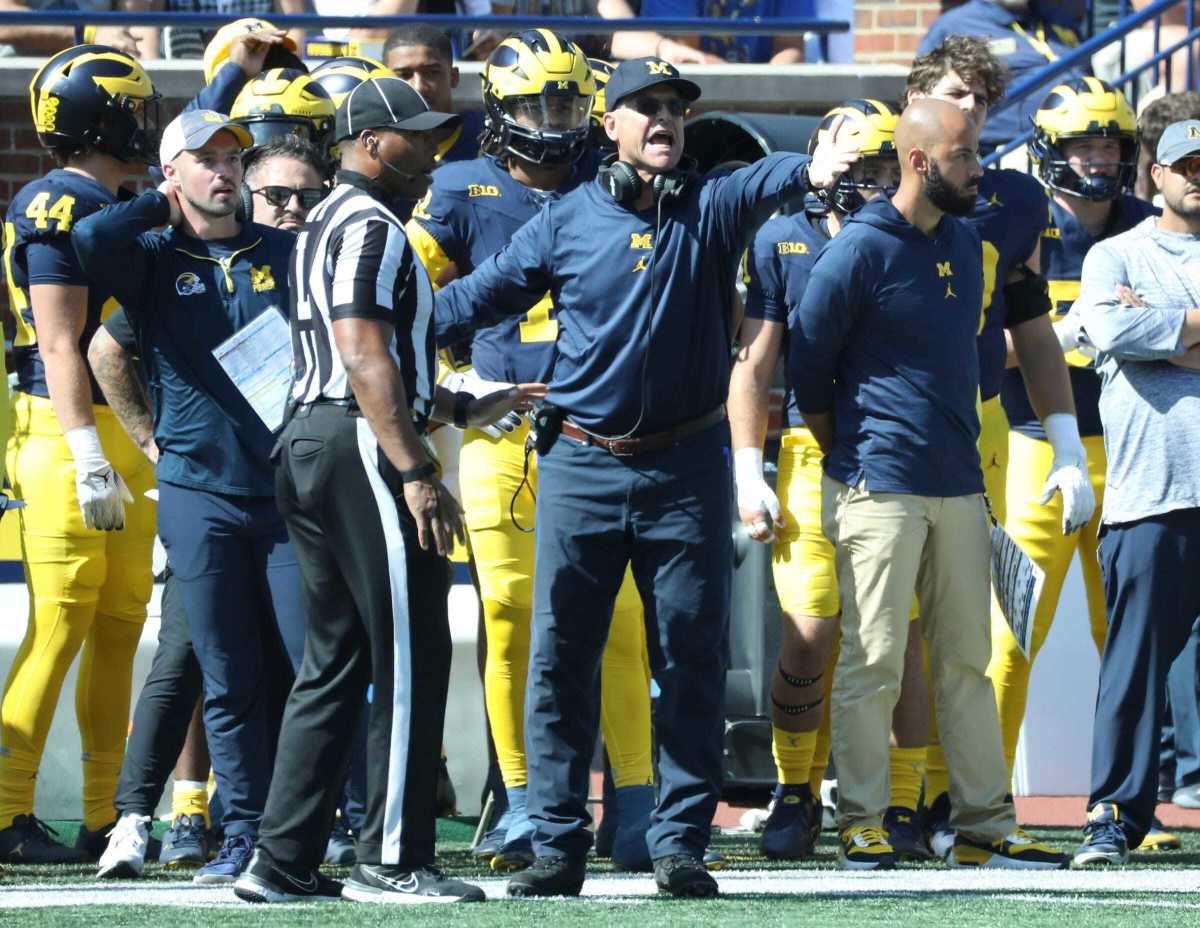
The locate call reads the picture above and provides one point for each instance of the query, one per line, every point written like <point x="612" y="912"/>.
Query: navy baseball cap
<point x="1179" y="140"/>
<point x="387" y="103"/>
<point x="192" y="129"/>
<point x="639" y="73"/>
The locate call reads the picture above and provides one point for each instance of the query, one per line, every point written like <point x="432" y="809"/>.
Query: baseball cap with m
<point x="192" y="129"/>
<point x="1179" y="140"/>
<point x="387" y="103"/>
<point x="640" y="73"/>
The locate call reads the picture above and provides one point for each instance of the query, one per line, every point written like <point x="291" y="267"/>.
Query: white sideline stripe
<point x="389" y="519"/>
<point x="1053" y="887"/>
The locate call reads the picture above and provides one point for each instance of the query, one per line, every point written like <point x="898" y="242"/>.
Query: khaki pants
<point x="888" y="545"/>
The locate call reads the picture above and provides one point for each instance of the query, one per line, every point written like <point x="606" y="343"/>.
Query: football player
<point x="537" y="91"/>
<point x="285" y="101"/>
<point x="88" y="529"/>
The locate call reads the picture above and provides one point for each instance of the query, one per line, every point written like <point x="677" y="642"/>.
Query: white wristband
<point x="748" y="465"/>
<point x="1062" y="430"/>
<point x="84" y="442"/>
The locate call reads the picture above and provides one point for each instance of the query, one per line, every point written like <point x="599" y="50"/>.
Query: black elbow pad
<point x="1026" y="298"/>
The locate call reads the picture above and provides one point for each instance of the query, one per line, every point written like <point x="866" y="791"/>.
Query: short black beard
<point x="945" y="197"/>
<point x="1176" y="205"/>
<point x="211" y="214"/>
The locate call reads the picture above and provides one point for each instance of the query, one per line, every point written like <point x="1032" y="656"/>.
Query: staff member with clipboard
<point x="186" y="289"/>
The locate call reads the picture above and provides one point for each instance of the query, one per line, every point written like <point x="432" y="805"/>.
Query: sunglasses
<point x="281" y="196"/>
<point x="1188" y="167"/>
<point x="650" y="106"/>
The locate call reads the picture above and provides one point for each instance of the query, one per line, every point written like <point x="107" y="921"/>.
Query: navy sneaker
<point x="633" y="808"/>
<point x="229" y="863"/>
<point x="185" y="845"/>
<point x="1104" y="841"/>
<point x="29" y="840"/>
<point x="788" y="832"/>
<point x="906" y="834"/>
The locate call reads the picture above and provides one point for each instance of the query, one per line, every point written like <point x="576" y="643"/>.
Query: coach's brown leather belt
<point x="644" y="444"/>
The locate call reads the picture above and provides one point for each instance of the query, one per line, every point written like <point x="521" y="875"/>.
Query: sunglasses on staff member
<point x="650" y="106"/>
<point x="281" y="196"/>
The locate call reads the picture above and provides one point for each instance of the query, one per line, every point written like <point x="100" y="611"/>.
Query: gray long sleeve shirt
<point x="1150" y="408"/>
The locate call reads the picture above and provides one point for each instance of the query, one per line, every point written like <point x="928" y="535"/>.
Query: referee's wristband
<point x="420" y="472"/>
<point x="462" y="402"/>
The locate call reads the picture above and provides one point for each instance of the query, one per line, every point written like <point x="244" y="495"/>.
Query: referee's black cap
<point x="640" y="73"/>
<point x="387" y="103"/>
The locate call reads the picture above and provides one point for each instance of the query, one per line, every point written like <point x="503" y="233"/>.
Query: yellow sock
<point x="190" y="797"/>
<point x="908" y="770"/>
<point x="793" y="752"/>
<point x="937" y="780"/>
<point x="824" y="743"/>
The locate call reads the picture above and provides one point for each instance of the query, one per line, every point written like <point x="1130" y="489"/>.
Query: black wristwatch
<point x="420" y="472"/>
<point x="461" y="403"/>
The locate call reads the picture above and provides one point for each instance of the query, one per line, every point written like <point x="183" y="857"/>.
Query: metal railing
<point x="821" y="29"/>
<point x="1037" y="81"/>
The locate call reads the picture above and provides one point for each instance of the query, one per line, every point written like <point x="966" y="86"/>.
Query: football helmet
<point x="537" y="96"/>
<point x="96" y="97"/>
<point x="601" y="71"/>
<point x="873" y="124"/>
<point x="1082" y="108"/>
<point x="216" y="53"/>
<point x="341" y="75"/>
<point x="284" y="102"/>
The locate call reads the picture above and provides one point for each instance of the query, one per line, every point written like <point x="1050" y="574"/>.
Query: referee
<point x="370" y="522"/>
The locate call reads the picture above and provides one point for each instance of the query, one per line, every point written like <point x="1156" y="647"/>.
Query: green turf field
<point x="1162" y="888"/>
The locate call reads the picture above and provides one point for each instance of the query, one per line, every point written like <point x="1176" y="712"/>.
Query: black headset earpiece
<point x="245" y="210"/>
<point x="624" y="184"/>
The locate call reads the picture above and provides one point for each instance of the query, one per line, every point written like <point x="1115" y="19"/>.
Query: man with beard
<point x="185" y="290"/>
<point x="1137" y="308"/>
<point x="885" y="371"/>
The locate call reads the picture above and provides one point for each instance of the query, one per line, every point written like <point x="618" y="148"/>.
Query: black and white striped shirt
<point x="352" y="259"/>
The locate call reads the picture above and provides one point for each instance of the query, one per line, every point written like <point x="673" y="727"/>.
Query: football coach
<point x="633" y="455"/>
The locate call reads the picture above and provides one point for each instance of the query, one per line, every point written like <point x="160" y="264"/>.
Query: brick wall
<point x="888" y="31"/>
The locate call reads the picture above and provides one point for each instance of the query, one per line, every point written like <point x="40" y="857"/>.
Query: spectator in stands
<point x="1137" y="309"/>
<point x="777" y="49"/>
<point x="1022" y="35"/>
<point x="640" y="44"/>
<point x="45" y="40"/>
<point x="1155" y="118"/>
<point x="190" y="43"/>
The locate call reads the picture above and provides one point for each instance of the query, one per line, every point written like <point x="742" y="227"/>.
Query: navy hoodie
<point x="885" y="339"/>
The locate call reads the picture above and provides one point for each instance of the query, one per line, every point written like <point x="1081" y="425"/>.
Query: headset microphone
<point x="395" y="170"/>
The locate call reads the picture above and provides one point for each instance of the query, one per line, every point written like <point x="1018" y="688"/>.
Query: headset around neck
<point x="625" y="185"/>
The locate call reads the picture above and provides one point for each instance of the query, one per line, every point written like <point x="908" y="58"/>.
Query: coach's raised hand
<point x="833" y="156"/>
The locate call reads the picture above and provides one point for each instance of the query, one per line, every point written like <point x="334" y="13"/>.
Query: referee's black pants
<point x="376" y="607"/>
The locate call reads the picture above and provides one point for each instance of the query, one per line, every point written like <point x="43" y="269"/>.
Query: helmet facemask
<point x="866" y="176"/>
<point x="546" y="128"/>
<point x="1056" y="171"/>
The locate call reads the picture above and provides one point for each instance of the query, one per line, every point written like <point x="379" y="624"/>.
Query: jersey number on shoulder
<point x="537" y="326"/>
<point x="60" y="212"/>
<point x="991" y="260"/>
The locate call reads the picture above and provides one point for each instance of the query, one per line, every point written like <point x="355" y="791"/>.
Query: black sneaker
<point x="788" y="831"/>
<point x="265" y="881"/>
<point x="389" y="883"/>
<point x="684" y="877"/>
<point x="906" y="834"/>
<point x="550" y="876"/>
<point x="29" y="840"/>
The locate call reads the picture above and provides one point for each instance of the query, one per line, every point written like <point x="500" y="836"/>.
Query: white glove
<point x="1069" y="472"/>
<point x="469" y="382"/>
<point x="757" y="503"/>
<point x="101" y="491"/>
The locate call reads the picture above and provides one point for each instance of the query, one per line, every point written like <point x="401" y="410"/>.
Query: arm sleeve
<point x="763" y="278"/>
<point x="506" y="284"/>
<point x="369" y="258"/>
<point x="52" y="260"/>
<point x="1134" y="333"/>
<point x="742" y="201"/>
<point x="111" y="250"/>
<point x="832" y="301"/>
<point x="220" y="94"/>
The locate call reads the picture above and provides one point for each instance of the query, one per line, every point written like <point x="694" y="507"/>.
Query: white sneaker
<point x="125" y="855"/>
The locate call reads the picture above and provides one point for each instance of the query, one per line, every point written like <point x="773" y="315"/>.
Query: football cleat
<point x="125" y="855"/>
<point x="788" y="830"/>
<point x="1104" y="841"/>
<point x="906" y="834"/>
<point x="549" y="876"/>
<point x="685" y="877"/>
<point x="1159" y="839"/>
<point x="866" y="848"/>
<point x="265" y="881"/>
<point x="229" y="863"/>
<point x="386" y="883"/>
<point x="939" y="836"/>
<point x="185" y="844"/>
<point x="29" y="840"/>
<point x="1017" y="851"/>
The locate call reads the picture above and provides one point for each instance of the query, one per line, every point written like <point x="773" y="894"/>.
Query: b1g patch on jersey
<point x="791" y="248"/>
<point x="483" y="190"/>
<point x="189" y="284"/>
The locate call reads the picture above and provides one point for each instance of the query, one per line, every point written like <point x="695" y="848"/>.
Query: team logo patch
<point x="661" y="67"/>
<point x="641" y="265"/>
<point x="791" y="248"/>
<point x="188" y="284"/>
<point x="261" y="279"/>
<point x="944" y="269"/>
<point x="1193" y="132"/>
<point x="641" y="241"/>
<point x="482" y="190"/>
